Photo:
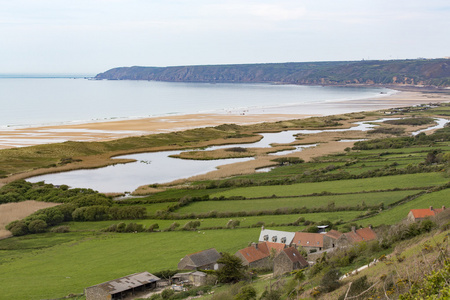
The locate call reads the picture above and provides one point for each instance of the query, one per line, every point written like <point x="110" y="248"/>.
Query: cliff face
<point x="432" y="72"/>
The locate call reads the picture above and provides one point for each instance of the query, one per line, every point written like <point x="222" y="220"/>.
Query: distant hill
<point x="429" y="72"/>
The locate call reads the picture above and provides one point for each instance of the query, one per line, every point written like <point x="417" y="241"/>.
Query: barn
<point x="122" y="287"/>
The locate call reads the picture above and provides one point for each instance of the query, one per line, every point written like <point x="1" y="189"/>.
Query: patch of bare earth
<point x="15" y="211"/>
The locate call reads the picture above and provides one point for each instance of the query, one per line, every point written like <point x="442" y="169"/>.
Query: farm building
<point x="202" y="260"/>
<point x="196" y="278"/>
<point x="330" y="239"/>
<point x="276" y="236"/>
<point x="258" y="255"/>
<point x="311" y="242"/>
<point x="420" y="214"/>
<point x="122" y="287"/>
<point x="288" y="260"/>
<point x="355" y="236"/>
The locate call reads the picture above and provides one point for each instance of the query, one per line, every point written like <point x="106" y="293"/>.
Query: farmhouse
<point x="258" y="255"/>
<point x="288" y="260"/>
<point x="122" y="287"/>
<point x="420" y="214"/>
<point x="202" y="260"/>
<point x="355" y="236"/>
<point x="311" y="242"/>
<point x="330" y="239"/>
<point x="276" y="236"/>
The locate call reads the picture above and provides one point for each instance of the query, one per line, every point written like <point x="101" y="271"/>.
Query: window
<point x="274" y="239"/>
<point x="266" y="237"/>
<point x="283" y="240"/>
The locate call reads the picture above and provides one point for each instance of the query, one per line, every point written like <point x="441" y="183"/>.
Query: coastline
<point x="115" y="129"/>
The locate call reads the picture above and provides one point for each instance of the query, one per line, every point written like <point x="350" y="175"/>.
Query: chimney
<point x="431" y="207"/>
<point x="353" y="229"/>
<point x="370" y="226"/>
<point x="443" y="207"/>
<point x="262" y="227"/>
<point x="255" y="245"/>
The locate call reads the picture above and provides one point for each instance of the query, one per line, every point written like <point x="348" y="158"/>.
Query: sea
<point x="32" y="100"/>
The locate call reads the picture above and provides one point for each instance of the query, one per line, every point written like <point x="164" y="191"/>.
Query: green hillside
<point x="429" y="72"/>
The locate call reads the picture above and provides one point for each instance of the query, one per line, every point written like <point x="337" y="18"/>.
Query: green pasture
<point x="71" y="266"/>
<point x="398" y="213"/>
<point x="297" y="202"/>
<point x="153" y="208"/>
<point x="273" y="220"/>
<point x="340" y="186"/>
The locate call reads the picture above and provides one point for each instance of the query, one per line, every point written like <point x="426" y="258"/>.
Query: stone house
<point x="420" y="214"/>
<point x="122" y="287"/>
<point x="311" y="242"/>
<point x="288" y="260"/>
<point x="258" y="255"/>
<point x="356" y="236"/>
<point x="202" y="260"/>
<point x="330" y="239"/>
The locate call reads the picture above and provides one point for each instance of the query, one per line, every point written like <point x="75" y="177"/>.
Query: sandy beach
<point x="109" y="130"/>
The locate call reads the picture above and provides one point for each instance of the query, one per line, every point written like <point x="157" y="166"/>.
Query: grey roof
<point x="276" y="236"/>
<point x="194" y="273"/>
<point x="205" y="257"/>
<point x="126" y="283"/>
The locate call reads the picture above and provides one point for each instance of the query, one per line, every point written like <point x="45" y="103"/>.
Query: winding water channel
<point x="159" y="167"/>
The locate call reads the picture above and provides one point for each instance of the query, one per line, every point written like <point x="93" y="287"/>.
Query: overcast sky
<point x="91" y="36"/>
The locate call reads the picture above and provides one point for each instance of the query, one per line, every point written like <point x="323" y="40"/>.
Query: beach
<point x="115" y="129"/>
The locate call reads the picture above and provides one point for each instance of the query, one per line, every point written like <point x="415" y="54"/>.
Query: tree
<point x="232" y="270"/>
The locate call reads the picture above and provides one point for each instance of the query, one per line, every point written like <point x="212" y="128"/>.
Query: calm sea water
<point x="37" y="101"/>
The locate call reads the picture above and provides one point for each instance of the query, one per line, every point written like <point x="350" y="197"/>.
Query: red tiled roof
<point x="333" y="234"/>
<point x="352" y="237"/>
<point x="295" y="256"/>
<point x="363" y="234"/>
<point x="367" y="234"/>
<point x="307" y="239"/>
<point x="252" y="254"/>
<point x="425" y="212"/>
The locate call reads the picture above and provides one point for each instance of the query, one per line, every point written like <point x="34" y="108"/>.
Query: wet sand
<point x="109" y="130"/>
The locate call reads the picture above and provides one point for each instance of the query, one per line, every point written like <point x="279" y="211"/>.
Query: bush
<point x="60" y="229"/>
<point x="330" y="281"/>
<point x="37" y="226"/>
<point x="246" y="293"/>
<point x="167" y="293"/>
<point x="18" y="228"/>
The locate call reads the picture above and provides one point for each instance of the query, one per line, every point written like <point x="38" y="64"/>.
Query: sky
<point x="92" y="36"/>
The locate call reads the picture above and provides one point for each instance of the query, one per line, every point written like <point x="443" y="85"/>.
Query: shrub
<point x="60" y="229"/>
<point x="18" y="228"/>
<point x="330" y="281"/>
<point x="37" y="226"/>
<point x="167" y="293"/>
<point x="246" y="293"/>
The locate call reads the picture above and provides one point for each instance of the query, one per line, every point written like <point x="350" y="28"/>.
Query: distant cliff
<point x="429" y="72"/>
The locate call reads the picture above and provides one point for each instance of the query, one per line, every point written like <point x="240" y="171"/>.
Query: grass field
<point x="309" y="202"/>
<point x="396" y="214"/>
<point x="70" y="267"/>
<point x="341" y="186"/>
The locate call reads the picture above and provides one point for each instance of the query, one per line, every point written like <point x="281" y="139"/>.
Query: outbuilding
<point x="123" y="287"/>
